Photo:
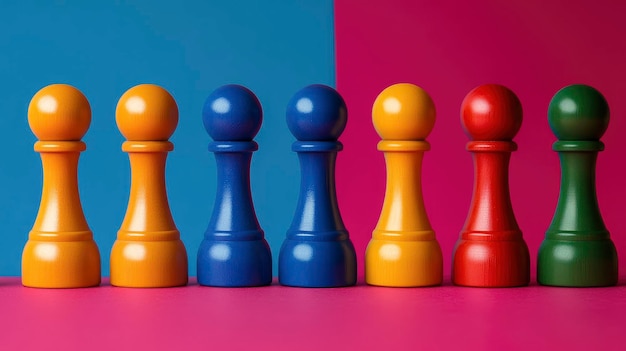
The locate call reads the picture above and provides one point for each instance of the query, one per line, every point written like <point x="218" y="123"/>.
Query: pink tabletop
<point x="283" y="318"/>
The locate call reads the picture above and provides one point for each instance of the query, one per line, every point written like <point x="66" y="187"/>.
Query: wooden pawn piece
<point x="491" y="251"/>
<point x="234" y="251"/>
<point x="148" y="251"/>
<point x="404" y="251"/>
<point x="578" y="250"/>
<point x="318" y="251"/>
<point x="60" y="252"/>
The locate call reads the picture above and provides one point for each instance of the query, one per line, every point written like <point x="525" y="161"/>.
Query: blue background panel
<point x="188" y="47"/>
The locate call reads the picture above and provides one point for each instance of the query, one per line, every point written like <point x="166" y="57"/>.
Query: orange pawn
<point x="148" y="252"/>
<point x="403" y="251"/>
<point x="60" y="252"/>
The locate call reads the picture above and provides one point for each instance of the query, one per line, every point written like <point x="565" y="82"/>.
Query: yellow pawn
<point x="148" y="252"/>
<point x="403" y="251"/>
<point x="60" y="252"/>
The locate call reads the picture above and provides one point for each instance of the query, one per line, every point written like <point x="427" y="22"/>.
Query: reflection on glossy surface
<point x="50" y="214"/>
<point x="221" y="105"/>
<point x="567" y="105"/>
<point x="307" y="219"/>
<point x="46" y="252"/>
<point x="564" y="253"/>
<point x="478" y="254"/>
<point x="224" y="210"/>
<point x="135" y="252"/>
<point x="135" y="104"/>
<point x="480" y="106"/>
<point x="220" y="252"/>
<point x="304" y="105"/>
<point x="390" y="252"/>
<point x="47" y="104"/>
<point x="392" y="105"/>
<point x="303" y="252"/>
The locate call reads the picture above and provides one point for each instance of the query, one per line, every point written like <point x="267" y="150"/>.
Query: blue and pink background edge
<point x="446" y="47"/>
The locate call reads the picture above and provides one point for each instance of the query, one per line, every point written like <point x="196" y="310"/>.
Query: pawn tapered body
<point x="148" y="251"/>
<point x="60" y="252"/>
<point x="403" y="251"/>
<point x="317" y="251"/>
<point x="578" y="250"/>
<point x="234" y="251"/>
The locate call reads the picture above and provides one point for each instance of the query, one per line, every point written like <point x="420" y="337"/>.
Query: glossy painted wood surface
<point x="233" y="252"/>
<point x="491" y="251"/>
<point x="60" y="251"/>
<point x="318" y="251"/>
<point x="578" y="250"/>
<point x="148" y="251"/>
<point x="403" y="251"/>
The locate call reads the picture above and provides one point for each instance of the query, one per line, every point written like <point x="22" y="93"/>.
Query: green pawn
<point x="578" y="250"/>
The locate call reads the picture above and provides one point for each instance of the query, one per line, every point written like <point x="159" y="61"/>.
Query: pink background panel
<point x="449" y="47"/>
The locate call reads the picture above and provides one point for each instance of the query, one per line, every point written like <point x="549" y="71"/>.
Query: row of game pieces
<point x="491" y="251"/>
<point x="317" y="251"/>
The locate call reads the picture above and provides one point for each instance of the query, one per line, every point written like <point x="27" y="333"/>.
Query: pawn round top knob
<point x="317" y="113"/>
<point x="59" y="112"/>
<point x="403" y="112"/>
<point x="578" y="112"/>
<point x="491" y="112"/>
<point x="232" y="113"/>
<point x="147" y="112"/>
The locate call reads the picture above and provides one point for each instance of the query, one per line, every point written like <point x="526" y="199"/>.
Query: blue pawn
<point x="318" y="251"/>
<point x="234" y="251"/>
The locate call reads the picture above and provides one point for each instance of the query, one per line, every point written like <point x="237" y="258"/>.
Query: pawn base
<point x="234" y="263"/>
<point x="577" y="263"/>
<point x="317" y="264"/>
<point x="148" y="264"/>
<point x="403" y="263"/>
<point x="491" y="264"/>
<point x="64" y="264"/>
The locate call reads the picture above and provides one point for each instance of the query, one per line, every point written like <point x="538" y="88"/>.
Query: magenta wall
<point x="448" y="48"/>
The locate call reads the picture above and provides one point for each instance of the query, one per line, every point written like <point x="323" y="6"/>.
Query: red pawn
<point x="491" y="251"/>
